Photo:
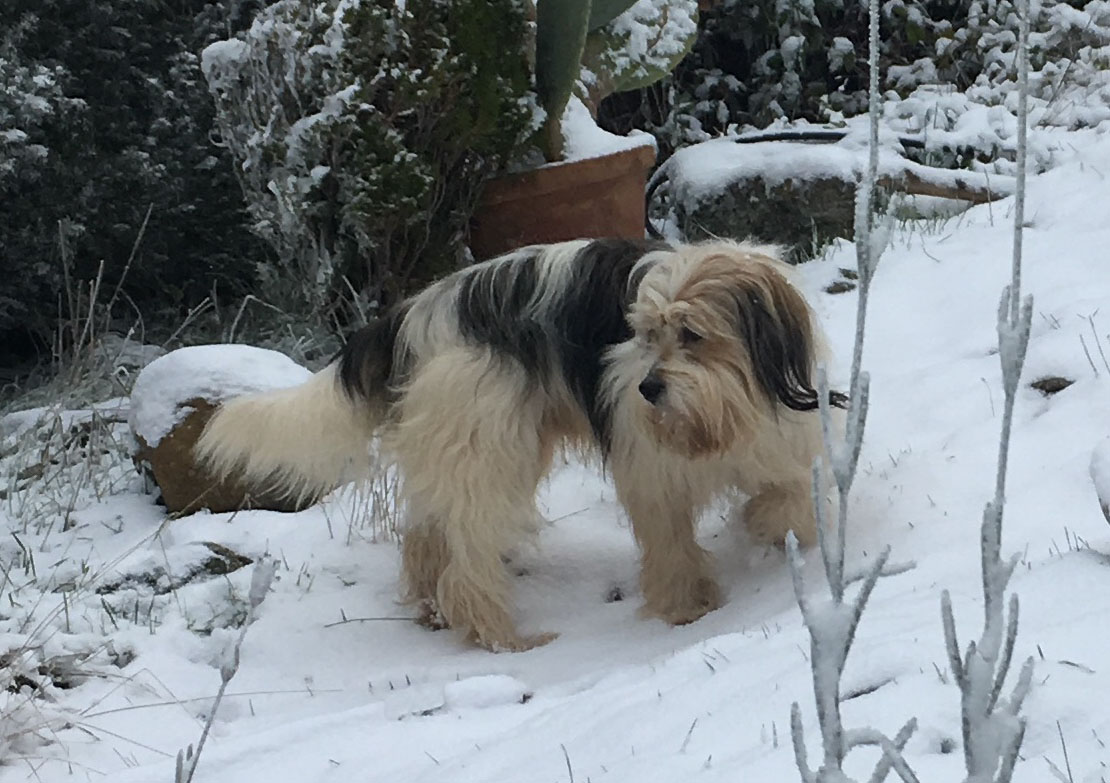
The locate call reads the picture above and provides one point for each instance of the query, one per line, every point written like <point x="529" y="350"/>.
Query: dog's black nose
<point x="652" y="388"/>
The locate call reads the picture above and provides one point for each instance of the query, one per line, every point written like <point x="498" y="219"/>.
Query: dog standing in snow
<point x="687" y="367"/>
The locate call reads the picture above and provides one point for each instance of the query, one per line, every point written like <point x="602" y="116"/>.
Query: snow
<point x="217" y="58"/>
<point x="583" y="138"/>
<point x="647" y="45"/>
<point x="490" y="690"/>
<point x="703" y="170"/>
<point x="211" y="372"/>
<point x="16" y="423"/>
<point x="335" y="684"/>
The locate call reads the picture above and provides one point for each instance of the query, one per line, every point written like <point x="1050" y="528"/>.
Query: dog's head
<point x="722" y="339"/>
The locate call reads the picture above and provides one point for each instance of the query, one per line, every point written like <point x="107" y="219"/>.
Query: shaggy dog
<point x="687" y="367"/>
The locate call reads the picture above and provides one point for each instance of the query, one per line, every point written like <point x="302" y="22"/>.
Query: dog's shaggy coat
<point x="687" y="367"/>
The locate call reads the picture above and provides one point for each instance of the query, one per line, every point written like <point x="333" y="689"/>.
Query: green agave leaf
<point x="603" y="12"/>
<point x="608" y="56"/>
<point x="561" y="27"/>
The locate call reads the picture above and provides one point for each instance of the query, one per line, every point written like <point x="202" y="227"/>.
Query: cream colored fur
<point x="473" y="435"/>
<point x="305" y="440"/>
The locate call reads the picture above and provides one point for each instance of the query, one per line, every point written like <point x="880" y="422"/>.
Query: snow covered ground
<point x="334" y="685"/>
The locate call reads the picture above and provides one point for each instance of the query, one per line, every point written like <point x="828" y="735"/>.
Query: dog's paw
<point x="701" y="598"/>
<point x="517" y="643"/>
<point x="428" y="616"/>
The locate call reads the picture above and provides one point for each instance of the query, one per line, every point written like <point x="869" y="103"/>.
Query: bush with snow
<point x="804" y="61"/>
<point x="105" y="128"/>
<point x="362" y="132"/>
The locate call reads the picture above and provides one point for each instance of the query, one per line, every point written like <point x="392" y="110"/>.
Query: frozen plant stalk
<point x="992" y="730"/>
<point x="261" y="578"/>
<point x="832" y="624"/>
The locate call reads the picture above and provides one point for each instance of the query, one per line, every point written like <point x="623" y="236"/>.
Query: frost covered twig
<point x="832" y="624"/>
<point x="992" y="730"/>
<point x="261" y="579"/>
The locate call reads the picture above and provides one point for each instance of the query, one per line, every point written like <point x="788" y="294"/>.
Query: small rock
<point x="1051" y="385"/>
<point x="840" y="287"/>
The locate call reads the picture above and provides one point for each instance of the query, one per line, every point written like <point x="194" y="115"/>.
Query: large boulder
<point x="172" y="400"/>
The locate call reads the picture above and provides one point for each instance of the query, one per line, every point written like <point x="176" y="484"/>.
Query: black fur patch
<point x="780" y="350"/>
<point x="592" y="319"/>
<point x="583" y="321"/>
<point x="367" y="364"/>
<point x="492" y="305"/>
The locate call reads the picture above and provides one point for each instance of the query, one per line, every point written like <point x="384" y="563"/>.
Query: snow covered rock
<point x="1100" y="474"/>
<point x="172" y="400"/>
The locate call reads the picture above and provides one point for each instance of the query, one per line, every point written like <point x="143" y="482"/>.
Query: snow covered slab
<point x="799" y="194"/>
<point x="211" y="372"/>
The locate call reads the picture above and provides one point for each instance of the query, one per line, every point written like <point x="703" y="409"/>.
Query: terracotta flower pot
<point x="582" y="199"/>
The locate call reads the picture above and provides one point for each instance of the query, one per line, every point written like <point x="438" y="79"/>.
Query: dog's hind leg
<point x="662" y="503"/>
<point x="423" y="560"/>
<point x="468" y="444"/>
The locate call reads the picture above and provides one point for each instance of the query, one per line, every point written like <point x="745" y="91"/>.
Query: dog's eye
<point x="689" y="336"/>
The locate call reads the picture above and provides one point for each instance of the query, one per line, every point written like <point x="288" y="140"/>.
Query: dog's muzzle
<point x="652" y="387"/>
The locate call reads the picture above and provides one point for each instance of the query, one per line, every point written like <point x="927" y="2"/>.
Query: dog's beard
<point x="676" y="431"/>
<point x="702" y="416"/>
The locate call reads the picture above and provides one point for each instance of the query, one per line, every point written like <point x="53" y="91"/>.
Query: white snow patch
<point x="490" y="690"/>
<point x="217" y="57"/>
<point x="649" y="45"/>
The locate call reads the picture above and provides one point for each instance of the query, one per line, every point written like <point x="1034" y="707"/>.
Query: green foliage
<point x="759" y="62"/>
<point x="602" y="12"/>
<point x="755" y="63"/>
<point x="103" y="115"/>
<point x="361" y="141"/>
<point x="618" y="62"/>
<point x="807" y="59"/>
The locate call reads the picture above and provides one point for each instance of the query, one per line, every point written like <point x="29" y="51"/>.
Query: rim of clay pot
<point x="569" y="174"/>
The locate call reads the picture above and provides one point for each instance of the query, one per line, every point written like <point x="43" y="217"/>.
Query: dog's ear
<point x="775" y="324"/>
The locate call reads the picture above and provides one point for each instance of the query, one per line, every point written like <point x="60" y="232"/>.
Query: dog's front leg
<point x="675" y="574"/>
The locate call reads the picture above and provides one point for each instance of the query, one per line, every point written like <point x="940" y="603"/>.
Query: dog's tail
<point x="302" y="442"/>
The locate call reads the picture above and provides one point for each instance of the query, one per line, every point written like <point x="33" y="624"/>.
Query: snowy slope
<point x="615" y="697"/>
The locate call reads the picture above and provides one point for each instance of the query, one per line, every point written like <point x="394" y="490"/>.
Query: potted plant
<point x="588" y="183"/>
